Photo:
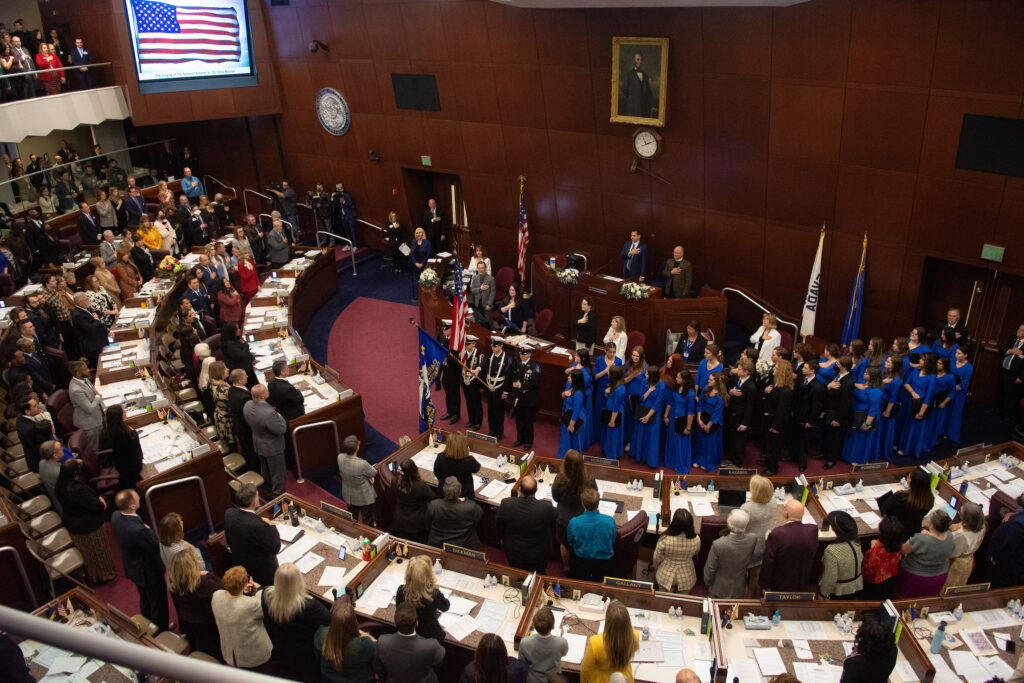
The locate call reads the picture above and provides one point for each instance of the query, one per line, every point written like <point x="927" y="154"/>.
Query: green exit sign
<point x="991" y="252"/>
<point x="426" y="160"/>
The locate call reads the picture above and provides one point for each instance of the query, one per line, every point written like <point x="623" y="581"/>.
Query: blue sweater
<point x="592" y="535"/>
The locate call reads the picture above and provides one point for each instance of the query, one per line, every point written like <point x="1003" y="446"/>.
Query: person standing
<point x="707" y="436"/>
<point x="541" y="650"/>
<point x="91" y="333"/>
<point x="673" y="556"/>
<point x="435" y="226"/>
<point x="345" y="212"/>
<point x="525" y="381"/>
<point x="320" y="202"/>
<point x="238" y="398"/>
<point x="591" y="537"/>
<point x="268" y="429"/>
<point x="612" y="650"/>
<point x="412" y="495"/>
<point x="81" y="58"/>
<point x="421" y="592"/>
<point x="254" y="542"/>
<point x="963" y="370"/>
<point x="789" y="552"/>
<point x="678" y="274"/>
<point x="523" y="524"/>
<point x="954" y="324"/>
<point x="740" y="414"/>
<point x="838" y="407"/>
<point x="472" y="386"/>
<point x="292" y="616"/>
<point x="842" y="561"/>
<point x="481" y="287"/>
<point x="1011" y="378"/>
<point x="83" y="513"/>
<point x="586" y="326"/>
<point x="88" y="408"/>
<point x="277" y="246"/>
<point x="874" y="653"/>
<point x="140" y="553"/>
<point x="573" y="415"/>
<point x="125" y="447"/>
<point x="453" y="519"/>
<point x="357" y="477"/>
<point x="238" y="611"/>
<point x="725" y="572"/>
<point x="777" y="402"/>
<point x="406" y="656"/>
<point x="634" y="257"/>
<point x="456" y="461"/>
<point x="283" y="395"/>
<point x="451" y="376"/>
<point x="495" y="369"/>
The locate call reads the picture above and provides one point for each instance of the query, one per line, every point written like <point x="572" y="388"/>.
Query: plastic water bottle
<point x="940" y="635"/>
<point x="959" y="612"/>
<point x="437" y="567"/>
<point x="776" y="618"/>
<point x="711" y="486"/>
<point x="860" y="486"/>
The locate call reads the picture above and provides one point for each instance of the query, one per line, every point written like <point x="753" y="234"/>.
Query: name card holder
<point x="629" y="583"/>
<point x="967" y="588"/>
<point x="870" y="466"/>
<point x="595" y="460"/>
<point x="335" y="510"/>
<point x="464" y="552"/>
<point x="782" y="595"/>
<point x="736" y="472"/>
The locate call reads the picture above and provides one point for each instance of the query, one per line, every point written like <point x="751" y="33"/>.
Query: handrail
<point x="21" y="570"/>
<point x="295" y="445"/>
<point x="36" y="72"/>
<point x="176" y="482"/>
<point x="126" y="653"/>
<point x="245" y="203"/>
<point x="375" y="227"/>
<point x="351" y="248"/>
<point x="796" y="328"/>
<point x="49" y="169"/>
<point x="206" y="184"/>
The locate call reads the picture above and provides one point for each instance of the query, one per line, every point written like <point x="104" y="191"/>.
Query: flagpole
<point x="456" y="359"/>
<point x="520" y="246"/>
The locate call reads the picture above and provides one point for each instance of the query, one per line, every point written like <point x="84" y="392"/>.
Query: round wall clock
<point x="646" y="143"/>
<point x="333" y="112"/>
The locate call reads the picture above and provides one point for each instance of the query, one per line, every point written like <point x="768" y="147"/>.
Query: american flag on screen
<point x="460" y="309"/>
<point x="524" y="234"/>
<point x="174" y="34"/>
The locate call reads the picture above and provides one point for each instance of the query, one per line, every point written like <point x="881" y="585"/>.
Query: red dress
<point x="249" y="281"/>
<point x="879" y="564"/>
<point x="51" y="82"/>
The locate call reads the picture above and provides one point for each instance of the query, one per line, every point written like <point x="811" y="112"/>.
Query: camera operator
<point x="289" y="206"/>
<point x="320" y="201"/>
<point x="344" y="213"/>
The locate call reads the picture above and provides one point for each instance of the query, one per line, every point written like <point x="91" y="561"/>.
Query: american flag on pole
<point x="460" y="309"/>
<point x="524" y="232"/>
<point x="174" y="34"/>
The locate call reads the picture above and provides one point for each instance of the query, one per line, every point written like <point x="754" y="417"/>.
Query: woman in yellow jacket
<point x="150" y="235"/>
<point x="610" y="651"/>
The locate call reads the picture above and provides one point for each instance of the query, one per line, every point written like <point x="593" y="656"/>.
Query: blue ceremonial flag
<point x="432" y="355"/>
<point x="852" y="324"/>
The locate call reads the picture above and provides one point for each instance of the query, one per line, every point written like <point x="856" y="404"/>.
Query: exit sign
<point x="426" y="160"/>
<point x="991" y="252"/>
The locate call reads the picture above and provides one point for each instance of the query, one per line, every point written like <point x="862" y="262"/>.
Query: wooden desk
<point x="804" y="620"/>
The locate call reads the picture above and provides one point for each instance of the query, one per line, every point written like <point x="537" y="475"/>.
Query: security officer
<point x="495" y="370"/>
<point x="525" y="379"/>
<point x="320" y="201"/>
<point x="451" y="377"/>
<point x="472" y="387"/>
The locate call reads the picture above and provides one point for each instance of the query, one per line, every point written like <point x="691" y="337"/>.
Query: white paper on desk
<point x="88" y="669"/>
<point x="905" y="671"/>
<point x="649" y="651"/>
<point x="703" y="669"/>
<point x="66" y="664"/>
<point x="802" y="649"/>
<point x="673" y="649"/>
<point x="676" y="503"/>
<point x="308" y="562"/>
<point x="459" y="627"/>
<point x="943" y="674"/>
<point x="769" y="661"/>
<point x="995" y="666"/>
<point x="701" y="507"/>
<point x="653" y="508"/>
<point x="808" y="672"/>
<point x="808" y="630"/>
<point x="460" y="606"/>
<point x="607" y="507"/>
<point x="701" y="648"/>
<point x="332" y="576"/>
<point x="1002" y="474"/>
<point x="967" y="665"/>
<point x="492" y="616"/>
<point x="457" y="581"/>
<point x="871" y="519"/>
<point x="48" y="654"/>
<point x="743" y="669"/>
<point x="297" y="549"/>
<point x="508" y="634"/>
<point x="577" y="647"/>
<point x="425" y="459"/>
<point x="993" y="618"/>
<point x="288" y="532"/>
<point x="494" y="489"/>
<point x="544" y="491"/>
<point x="848" y="647"/>
<point x="978" y="643"/>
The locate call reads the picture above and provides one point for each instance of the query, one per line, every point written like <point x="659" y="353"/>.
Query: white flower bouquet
<point x="568" y="276"/>
<point x="633" y="291"/>
<point x="429" y="278"/>
<point x="763" y="368"/>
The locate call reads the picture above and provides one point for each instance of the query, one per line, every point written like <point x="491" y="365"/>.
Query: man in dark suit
<point x="42" y="378"/>
<point x="81" y="58"/>
<point x="197" y="233"/>
<point x="407" y="656"/>
<point x="142" y="258"/>
<point x="635" y="97"/>
<point x="283" y="395"/>
<point x="634" y="257"/>
<point x="140" y="553"/>
<point x="44" y="332"/>
<point x="238" y="396"/>
<point x="451" y="377"/>
<point x="525" y="380"/>
<point x="807" y="410"/>
<point x="955" y="324"/>
<point x="678" y="274"/>
<point x="197" y="295"/>
<point x="91" y="333"/>
<point x="524" y="525"/>
<point x="135" y="206"/>
<point x="740" y="411"/>
<point x="32" y="431"/>
<point x="435" y="226"/>
<point x="1011" y="377"/>
<point x="268" y="430"/>
<point x="253" y="541"/>
<point x="89" y="226"/>
<point x="838" y="404"/>
<point x="66" y="192"/>
<point x="789" y="551"/>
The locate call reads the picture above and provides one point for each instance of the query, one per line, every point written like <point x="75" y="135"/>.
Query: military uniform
<point x="525" y="374"/>
<point x="451" y="379"/>
<point x="471" y="387"/>
<point x="494" y="372"/>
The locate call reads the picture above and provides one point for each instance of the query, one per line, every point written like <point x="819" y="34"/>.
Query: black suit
<point x="44" y="330"/>
<point x="32" y="433"/>
<point x="451" y="380"/>
<point x="524" y="527"/>
<point x="524" y="398"/>
<point x="237" y="398"/>
<point x="808" y="406"/>
<point x="586" y="332"/>
<point x="83" y="79"/>
<point x="436" y="230"/>
<point x="90" y="332"/>
<point x="140" y="554"/>
<point x="959" y="332"/>
<point x="740" y="414"/>
<point x="254" y="544"/>
<point x="696" y="350"/>
<point x="89" y="228"/>
<point x="776" y="417"/>
<point x="143" y="260"/>
<point x="838" y="404"/>
<point x="1011" y="374"/>
<point x="286" y="398"/>
<point x="42" y="379"/>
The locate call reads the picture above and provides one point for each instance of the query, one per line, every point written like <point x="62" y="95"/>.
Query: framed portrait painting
<point x="639" y="80"/>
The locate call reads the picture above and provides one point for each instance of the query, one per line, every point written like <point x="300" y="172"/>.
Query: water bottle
<point x="959" y="612"/>
<point x="940" y="635"/>
<point x="776" y="618"/>
<point x="437" y="567"/>
<point x="860" y="486"/>
<point x="711" y="486"/>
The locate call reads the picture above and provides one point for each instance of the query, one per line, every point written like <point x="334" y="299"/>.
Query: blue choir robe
<point x="858" y="370"/>
<point x="956" y="410"/>
<point x="646" y="444"/>
<point x="600" y="365"/>
<point x="861" y="446"/>
<point x="635" y="387"/>
<point x="612" y="441"/>
<point x="589" y="429"/>
<point x="949" y="354"/>
<point x="914" y="438"/>
<point x="703" y="373"/>
<point x="939" y="417"/>
<point x="575" y="402"/>
<point x="826" y="373"/>
<point x="707" y="447"/>
<point x="887" y="425"/>
<point x="678" y="455"/>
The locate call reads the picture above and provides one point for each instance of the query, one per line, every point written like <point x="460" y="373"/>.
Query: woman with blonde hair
<point x="248" y="279"/>
<point x="393" y="234"/>
<point x="100" y="301"/>
<point x="767" y="337"/>
<point x="292" y="618"/>
<point x="219" y="389"/>
<point x="345" y="652"/>
<point x="420" y="250"/>
<point x="778" y="398"/>
<point x="150" y="235"/>
<point x="192" y="589"/>
<point x="610" y="652"/>
<point x="420" y="590"/>
<point x="456" y="461"/>
<point x="617" y="333"/>
<point x="238" y="612"/>
<point x="106" y="279"/>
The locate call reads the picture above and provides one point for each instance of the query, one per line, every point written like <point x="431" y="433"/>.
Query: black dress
<point x="127" y="454"/>
<point x="410" y="521"/>
<point x="195" y="614"/>
<point x="898" y="505"/>
<point x="426" y="615"/>
<point x="294" y="655"/>
<point x="462" y="469"/>
<point x="567" y="505"/>
<point x="874" y="669"/>
<point x="237" y="355"/>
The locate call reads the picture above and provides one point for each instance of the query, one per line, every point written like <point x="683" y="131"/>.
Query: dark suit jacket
<point x="32" y="434"/>
<point x="696" y="351"/>
<point x="776" y="407"/>
<point x="634" y="266"/>
<point x="524" y="527"/>
<point x="453" y="522"/>
<point x="434" y="230"/>
<point x="140" y="549"/>
<point x="839" y="402"/>
<point x="808" y="402"/>
<point x="90" y="229"/>
<point x="788" y="556"/>
<point x="90" y="332"/>
<point x="586" y="333"/>
<point x="407" y="659"/>
<point x="286" y="398"/>
<point x="135" y="207"/>
<point x="677" y="286"/>
<point x="741" y="408"/>
<point x="1016" y="365"/>
<point x="254" y="544"/>
<point x="42" y="379"/>
<point x="144" y="262"/>
<point x="80" y="60"/>
<point x="237" y="398"/>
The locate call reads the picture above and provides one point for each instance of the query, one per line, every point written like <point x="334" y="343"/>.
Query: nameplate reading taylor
<point x="465" y="552"/>
<point x="780" y="595"/>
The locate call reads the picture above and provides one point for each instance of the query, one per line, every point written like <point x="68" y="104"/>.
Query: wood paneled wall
<point x="842" y="112"/>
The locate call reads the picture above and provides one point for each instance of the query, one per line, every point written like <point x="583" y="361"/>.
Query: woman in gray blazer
<point x="239" y="614"/>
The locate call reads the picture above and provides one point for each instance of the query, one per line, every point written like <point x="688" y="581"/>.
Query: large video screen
<point x="191" y="44"/>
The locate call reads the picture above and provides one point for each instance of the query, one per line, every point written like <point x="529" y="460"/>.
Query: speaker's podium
<point x="654" y="316"/>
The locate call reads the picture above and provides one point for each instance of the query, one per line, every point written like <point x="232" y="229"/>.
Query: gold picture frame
<point x="639" y="98"/>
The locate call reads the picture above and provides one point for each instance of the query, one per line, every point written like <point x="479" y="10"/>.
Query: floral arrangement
<point x="169" y="268"/>
<point x="568" y="276"/>
<point x="633" y="291"/>
<point x="763" y="368"/>
<point x="429" y="278"/>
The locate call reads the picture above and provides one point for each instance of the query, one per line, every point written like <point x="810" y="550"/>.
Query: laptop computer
<point x="730" y="500"/>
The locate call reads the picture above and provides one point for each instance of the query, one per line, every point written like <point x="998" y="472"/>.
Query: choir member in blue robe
<point x="938" y="416"/>
<point x="707" y="438"/>
<point x="680" y="406"/>
<point x="713" y="362"/>
<point x="861" y="444"/>
<point x="946" y="346"/>
<point x="601" y="370"/>
<point x="917" y="398"/>
<point x="892" y="385"/>
<point x="827" y="367"/>
<point x="581" y="361"/>
<point x="963" y="371"/>
<point x="574" y="415"/>
<point x="917" y="345"/>
<point x="860" y="361"/>
<point x="646" y="444"/>
<point x="612" y="437"/>
<point x="635" y="379"/>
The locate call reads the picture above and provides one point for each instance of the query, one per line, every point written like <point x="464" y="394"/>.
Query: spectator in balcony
<point x="66" y="192"/>
<point x="116" y="176"/>
<point x="99" y="162"/>
<point x="48" y="63"/>
<point x="89" y="182"/>
<point x="191" y="186"/>
<point x="58" y="46"/>
<point x="81" y="58"/>
<point x="48" y="204"/>
<point x="24" y="86"/>
<point x="26" y="190"/>
<point x="107" y="216"/>
<point x="6" y="65"/>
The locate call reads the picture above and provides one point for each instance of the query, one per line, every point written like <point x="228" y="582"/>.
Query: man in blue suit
<point x="81" y="58"/>
<point x="140" y="554"/>
<point x="634" y="257"/>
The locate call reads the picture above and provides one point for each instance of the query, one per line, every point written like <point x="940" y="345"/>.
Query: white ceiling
<point x="578" y="4"/>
